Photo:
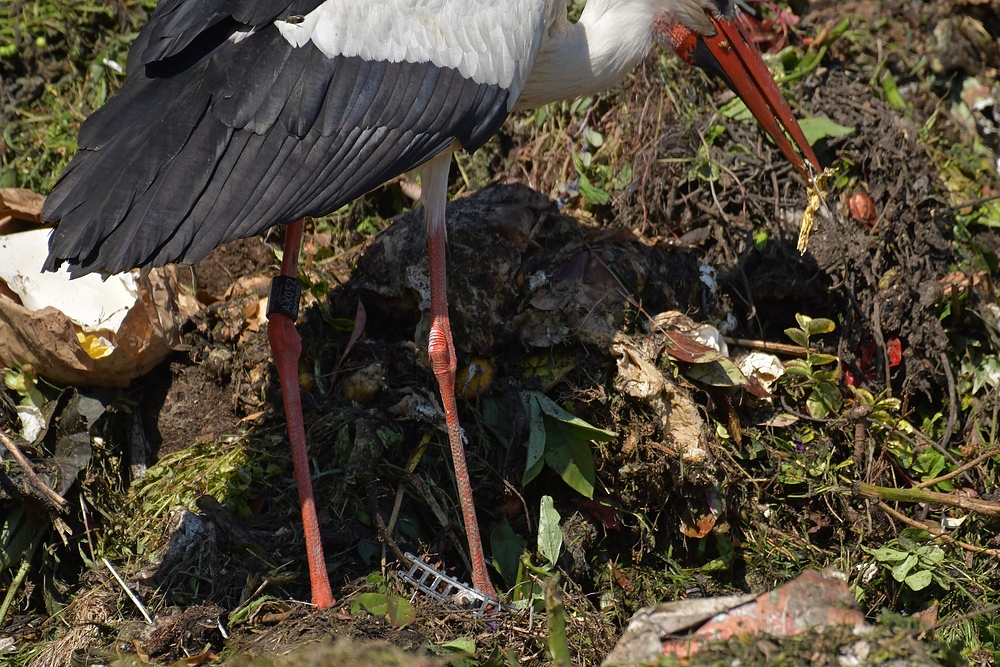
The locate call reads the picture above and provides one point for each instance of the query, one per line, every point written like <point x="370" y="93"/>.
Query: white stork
<point x="237" y="115"/>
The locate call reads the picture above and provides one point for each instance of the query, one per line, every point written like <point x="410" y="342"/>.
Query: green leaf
<point x="736" y="109"/>
<point x="552" y="409"/>
<point x="33" y="398"/>
<point x="580" y="105"/>
<point x="820" y="325"/>
<point x="887" y="555"/>
<point x="593" y="137"/>
<point x="815" y="405"/>
<point x="536" y="438"/>
<point x="936" y="555"/>
<point x="911" y="536"/>
<point x="400" y="611"/>
<point x="561" y="441"/>
<point x="798" y="367"/>
<point x="373" y="603"/>
<point x="367" y="226"/>
<point x="550" y="535"/>
<point x="570" y="456"/>
<point x="594" y="195"/>
<point x="892" y="95"/>
<point x="506" y="547"/>
<point x="624" y="177"/>
<point x="13" y="380"/>
<point x="466" y="645"/>
<point x="823" y="400"/>
<point x="822" y="359"/>
<point x="708" y="172"/>
<point x="817" y="128"/>
<point x="932" y="462"/>
<point x="714" y="133"/>
<point x="495" y="659"/>
<point x="902" y="569"/>
<point x="919" y="580"/>
<point x="798" y="336"/>
<point x="827" y="375"/>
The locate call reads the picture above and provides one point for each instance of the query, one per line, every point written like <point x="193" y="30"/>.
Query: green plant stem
<point x="977" y="505"/>
<point x="556" y="615"/>
<point x="22" y="572"/>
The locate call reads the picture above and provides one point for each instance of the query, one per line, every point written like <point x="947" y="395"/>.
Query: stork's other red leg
<point x="441" y="349"/>
<point x="286" y="346"/>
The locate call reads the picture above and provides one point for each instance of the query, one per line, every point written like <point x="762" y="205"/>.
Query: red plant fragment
<point x="895" y="349"/>
<point x="863" y="210"/>
<point x="773" y="34"/>
<point x="607" y="515"/>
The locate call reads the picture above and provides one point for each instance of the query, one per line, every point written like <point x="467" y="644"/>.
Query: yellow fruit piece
<point x="473" y="380"/>
<point x="96" y="347"/>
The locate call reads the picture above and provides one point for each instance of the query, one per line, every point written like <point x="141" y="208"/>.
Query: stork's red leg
<point x="286" y="346"/>
<point x="441" y="349"/>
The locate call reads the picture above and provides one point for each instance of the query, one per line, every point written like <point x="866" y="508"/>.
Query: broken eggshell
<point x="767" y="368"/>
<point x="85" y="332"/>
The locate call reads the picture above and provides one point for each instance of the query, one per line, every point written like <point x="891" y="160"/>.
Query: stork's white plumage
<point x="237" y="115"/>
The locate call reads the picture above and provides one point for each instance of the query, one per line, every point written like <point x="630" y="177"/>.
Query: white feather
<point x="578" y="59"/>
<point x="500" y="42"/>
<point x="487" y="41"/>
<point x="240" y="35"/>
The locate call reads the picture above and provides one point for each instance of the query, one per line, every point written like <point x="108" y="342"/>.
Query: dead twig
<point x="958" y="471"/>
<point x="360" y="317"/>
<point x="937" y="533"/>
<point x="975" y="202"/>
<point x="60" y="503"/>
<point x="952" y="402"/>
<point x="819" y="420"/>
<point x="767" y="346"/>
<point x="128" y="591"/>
<point x="382" y="530"/>
<point x="958" y="619"/>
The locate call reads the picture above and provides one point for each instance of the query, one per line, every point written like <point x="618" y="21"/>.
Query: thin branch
<point x="975" y="202"/>
<point x="128" y="591"/>
<point x="767" y="346"/>
<point x="952" y="402"/>
<point x="957" y="619"/>
<point x="382" y="530"/>
<point x="937" y="533"/>
<point x="958" y="471"/>
<point x="820" y="420"/>
<point x="60" y="503"/>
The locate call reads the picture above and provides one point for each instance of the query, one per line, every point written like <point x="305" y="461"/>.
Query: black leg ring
<point x="285" y="294"/>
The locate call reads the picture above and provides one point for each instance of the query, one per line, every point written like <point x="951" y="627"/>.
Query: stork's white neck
<point x="591" y="55"/>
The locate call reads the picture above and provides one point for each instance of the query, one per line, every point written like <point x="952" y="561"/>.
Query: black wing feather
<point x="211" y="140"/>
<point x="176" y="24"/>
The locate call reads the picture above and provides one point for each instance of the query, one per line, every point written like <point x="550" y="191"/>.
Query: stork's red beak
<point x="732" y="55"/>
